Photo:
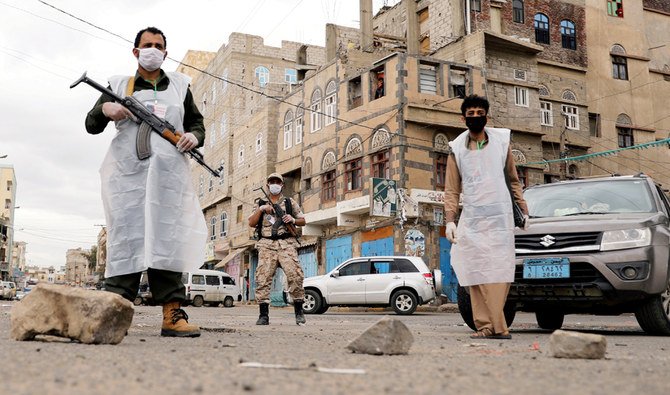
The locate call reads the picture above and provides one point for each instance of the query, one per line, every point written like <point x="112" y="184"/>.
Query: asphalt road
<point x="443" y="359"/>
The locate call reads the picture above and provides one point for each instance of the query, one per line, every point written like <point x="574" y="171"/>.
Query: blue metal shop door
<point x="307" y="257"/>
<point x="449" y="280"/>
<point x="337" y="251"/>
<point x="377" y="247"/>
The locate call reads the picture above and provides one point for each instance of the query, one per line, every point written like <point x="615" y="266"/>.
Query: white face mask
<point x="275" y="189"/>
<point x="150" y="59"/>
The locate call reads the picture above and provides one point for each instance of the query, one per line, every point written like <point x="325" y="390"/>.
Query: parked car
<point x="8" y="290"/>
<point x="402" y="282"/>
<point x="20" y="295"/>
<point x="212" y="287"/>
<point x="595" y="246"/>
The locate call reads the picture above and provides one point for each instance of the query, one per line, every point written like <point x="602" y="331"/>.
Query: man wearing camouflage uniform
<point x="277" y="248"/>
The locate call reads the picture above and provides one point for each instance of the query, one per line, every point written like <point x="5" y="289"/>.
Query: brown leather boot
<point x="175" y="322"/>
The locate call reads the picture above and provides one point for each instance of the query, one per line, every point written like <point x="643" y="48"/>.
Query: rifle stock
<point x="160" y="126"/>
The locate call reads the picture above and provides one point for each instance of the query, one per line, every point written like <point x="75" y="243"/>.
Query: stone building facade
<point x="77" y="271"/>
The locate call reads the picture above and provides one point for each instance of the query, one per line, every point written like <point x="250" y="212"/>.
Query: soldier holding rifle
<point x="275" y="221"/>
<point x="153" y="215"/>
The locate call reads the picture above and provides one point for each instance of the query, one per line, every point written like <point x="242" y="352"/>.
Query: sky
<point x="43" y="50"/>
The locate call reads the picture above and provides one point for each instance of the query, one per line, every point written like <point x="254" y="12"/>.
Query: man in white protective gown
<point x="482" y="254"/>
<point x="154" y="221"/>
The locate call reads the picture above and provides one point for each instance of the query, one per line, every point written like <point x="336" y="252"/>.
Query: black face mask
<point x="476" y="124"/>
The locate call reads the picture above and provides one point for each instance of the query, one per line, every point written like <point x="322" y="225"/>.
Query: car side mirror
<point x="335" y="274"/>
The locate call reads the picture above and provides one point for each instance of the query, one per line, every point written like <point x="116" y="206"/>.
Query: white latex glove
<point x="450" y="232"/>
<point x="187" y="142"/>
<point x="115" y="111"/>
<point x="525" y="222"/>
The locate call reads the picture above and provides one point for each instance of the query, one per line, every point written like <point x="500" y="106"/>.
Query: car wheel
<point x="198" y="301"/>
<point x="137" y="301"/>
<point x="550" y="320"/>
<point x="228" y="301"/>
<point x="465" y="308"/>
<point x="312" y="302"/>
<point x="654" y="315"/>
<point x="403" y="302"/>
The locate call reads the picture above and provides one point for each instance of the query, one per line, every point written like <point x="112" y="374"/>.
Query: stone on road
<point x="568" y="344"/>
<point x="91" y="317"/>
<point x="386" y="337"/>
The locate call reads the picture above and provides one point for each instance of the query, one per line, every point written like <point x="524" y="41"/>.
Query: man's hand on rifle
<point x="116" y="112"/>
<point x="187" y="142"/>
<point x="267" y="208"/>
<point x="288" y="219"/>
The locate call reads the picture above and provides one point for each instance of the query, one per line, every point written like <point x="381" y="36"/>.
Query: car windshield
<point x="590" y="198"/>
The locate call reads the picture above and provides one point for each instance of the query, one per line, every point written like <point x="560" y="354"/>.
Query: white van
<point x="210" y="286"/>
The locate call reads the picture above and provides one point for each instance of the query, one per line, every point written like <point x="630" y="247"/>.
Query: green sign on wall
<point x="384" y="197"/>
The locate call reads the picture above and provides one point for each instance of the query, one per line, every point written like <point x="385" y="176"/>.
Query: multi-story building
<point x="101" y="253"/>
<point x="7" y="208"/>
<point x="236" y="97"/>
<point x="77" y="271"/>
<point x="628" y="84"/>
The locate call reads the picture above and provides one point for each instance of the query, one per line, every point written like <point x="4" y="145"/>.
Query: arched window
<point x="330" y="103"/>
<point x="441" y="142"/>
<point x="354" y="147"/>
<point x="259" y="142"/>
<point x="212" y="233"/>
<point x="299" y="122"/>
<point x="240" y="154"/>
<point x="543" y="90"/>
<point x="262" y="75"/>
<point x="288" y="129"/>
<point x="224" y="83"/>
<point x="568" y="34"/>
<point x="224" y="125"/>
<point x="224" y="224"/>
<point x="624" y="128"/>
<point x="569" y="95"/>
<point x="315" y="108"/>
<point x="517" y="11"/>
<point x="619" y="62"/>
<point x="328" y="161"/>
<point x="541" y="29"/>
<point x="380" y="139"/>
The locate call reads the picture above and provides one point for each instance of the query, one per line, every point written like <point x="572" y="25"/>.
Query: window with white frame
<point x="291" y="76"/>
<point x="214" y="92"/>
<point x="240" y="154"/>
<point x="330" y="103"/>
<point x="224" y="224"/>
<point x="288" y="130"/>
<point x="428" y="80"/>
<point x="571" y="115"/>
<point x="259" y="142"/>
<point x="262" y="75"/>
<point x="212" y="233"/>
<point x="521" y="96"/>
<point x="315" y="111"/>
<point x="201" y="186"/>
<point x="224" y="125"/>
<point x="299" y="124"/>
<point x="224" y="83"/>
<point x="221" y="172"/>
<point x="211" y="184"/>
<point x="546" y="115"/>
<point x="212" y="135"/>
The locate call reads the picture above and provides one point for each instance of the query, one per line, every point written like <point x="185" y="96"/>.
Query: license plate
<point x="546" y="268"/>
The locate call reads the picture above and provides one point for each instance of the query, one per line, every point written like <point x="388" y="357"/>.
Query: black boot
<point x="299" y="315"/>
<point x="264" y="317"/>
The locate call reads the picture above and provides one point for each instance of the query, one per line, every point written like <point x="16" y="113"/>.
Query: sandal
<point x="499" y="336"/>
<point x="480" y="335"/>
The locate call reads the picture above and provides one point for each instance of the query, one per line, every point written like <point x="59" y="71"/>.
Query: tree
<point x="92" y="258"/>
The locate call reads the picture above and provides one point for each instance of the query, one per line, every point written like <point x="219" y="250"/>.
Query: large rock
<point x="565" y="344"/>
<point x="387" y="336"/>
<point x="84" y="315"/>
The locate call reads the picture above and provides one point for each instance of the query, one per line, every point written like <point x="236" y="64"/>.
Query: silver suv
<point x="596" y="246"/>
<point x="403" y="282"/>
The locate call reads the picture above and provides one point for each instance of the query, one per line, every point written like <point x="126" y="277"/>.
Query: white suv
<point x="403" y="282"/>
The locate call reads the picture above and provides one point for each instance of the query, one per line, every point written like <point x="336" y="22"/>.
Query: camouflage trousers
<point x="273" y="254"/>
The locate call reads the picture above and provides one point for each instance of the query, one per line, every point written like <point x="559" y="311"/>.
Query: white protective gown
<point x="153" y="215"/>
<point x="484" y="249"/>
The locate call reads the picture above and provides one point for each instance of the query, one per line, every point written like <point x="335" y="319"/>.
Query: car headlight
<point x="621" y="239"/>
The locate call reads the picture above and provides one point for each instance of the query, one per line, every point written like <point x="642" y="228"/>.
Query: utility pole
<point x="561" y="150"/>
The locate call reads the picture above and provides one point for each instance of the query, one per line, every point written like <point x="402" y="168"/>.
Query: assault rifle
<point x="145" y="117"/>
<point x="291" y="228"/>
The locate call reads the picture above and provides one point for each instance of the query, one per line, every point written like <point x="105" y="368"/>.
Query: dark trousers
<point x="165" y="286"/>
